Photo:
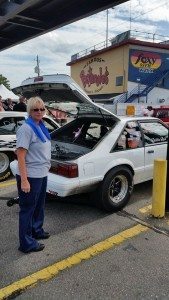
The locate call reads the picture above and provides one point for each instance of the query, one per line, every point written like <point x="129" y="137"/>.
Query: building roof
<point x="21" y="20"/>
<point x="129" y="41"/>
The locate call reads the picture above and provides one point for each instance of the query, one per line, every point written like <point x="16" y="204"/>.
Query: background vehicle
<point x="162" y="113"/>
<point x="10" y="121"/>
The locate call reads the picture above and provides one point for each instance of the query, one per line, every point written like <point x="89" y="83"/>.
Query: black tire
<point x="116" y="188"/>
<point x="5" y="159"/>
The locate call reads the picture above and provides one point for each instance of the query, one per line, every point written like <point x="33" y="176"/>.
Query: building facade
<point x="127" y="71"/>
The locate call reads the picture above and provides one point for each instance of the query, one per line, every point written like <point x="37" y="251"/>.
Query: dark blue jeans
<point x="31" y="215"/>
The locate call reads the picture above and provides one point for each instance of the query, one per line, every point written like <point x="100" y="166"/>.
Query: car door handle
<point x="150" y="151"/>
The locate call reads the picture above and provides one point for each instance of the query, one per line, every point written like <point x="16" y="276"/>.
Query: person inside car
<point x="133" y="136"/>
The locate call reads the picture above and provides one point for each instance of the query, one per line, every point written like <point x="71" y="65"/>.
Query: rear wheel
<point x="116" y="188"/>
<point x="5" y="171"/>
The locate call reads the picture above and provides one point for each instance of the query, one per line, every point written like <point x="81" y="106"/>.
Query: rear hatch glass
<point x="80" y="136"/>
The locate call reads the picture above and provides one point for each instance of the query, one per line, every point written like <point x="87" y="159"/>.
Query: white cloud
<point x="55" y="48"/>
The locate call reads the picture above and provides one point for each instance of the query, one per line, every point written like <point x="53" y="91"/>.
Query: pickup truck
<point x="162" y="113"/>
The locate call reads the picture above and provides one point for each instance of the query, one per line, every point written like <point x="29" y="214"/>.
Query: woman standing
<point x="34" y="153"/>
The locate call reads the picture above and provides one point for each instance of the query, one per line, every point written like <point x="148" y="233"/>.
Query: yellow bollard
<point x="159" y="188"/>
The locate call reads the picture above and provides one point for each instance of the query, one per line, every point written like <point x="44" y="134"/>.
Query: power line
<point x="150" y="10"/>
<point x="131" y="19"/>
<point x="141" y="14"/>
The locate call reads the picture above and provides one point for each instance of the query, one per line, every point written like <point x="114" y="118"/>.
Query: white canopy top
<point x="5" y="93"/>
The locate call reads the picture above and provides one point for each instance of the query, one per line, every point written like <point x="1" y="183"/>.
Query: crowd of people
<point x="9" y="105"/>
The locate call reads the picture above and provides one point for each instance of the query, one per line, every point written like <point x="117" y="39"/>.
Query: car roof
<point x="136" y="118"/>
<point x="17" y="114"/>
<point x="121" y="118"/>
<point x="12" y="113"/>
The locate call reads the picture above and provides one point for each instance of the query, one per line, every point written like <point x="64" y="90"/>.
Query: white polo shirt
<point x="38" y="153"/>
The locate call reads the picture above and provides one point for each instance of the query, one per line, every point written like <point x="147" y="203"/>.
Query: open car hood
<point x="61" y="92"/>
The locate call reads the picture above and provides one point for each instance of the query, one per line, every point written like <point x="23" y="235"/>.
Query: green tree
<point x="4" y="81"/>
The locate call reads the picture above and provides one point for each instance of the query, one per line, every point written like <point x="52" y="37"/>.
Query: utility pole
<point x="107" y="26"/>
<point x="130" y="15"/>
<point x="37" y="69"/>
<point x="138" y="87"/>
<point x="153" y="37"/>
<point x="167" y="182"/>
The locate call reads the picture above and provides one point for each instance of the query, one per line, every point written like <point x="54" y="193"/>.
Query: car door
<point x="155" y="136"/>
<point x="9" y="126"/>
<point x="130" y="150"/>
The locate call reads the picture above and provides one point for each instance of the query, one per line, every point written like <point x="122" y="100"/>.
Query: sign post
<point x="138" y="81"/>
<point x="167" y="181"/>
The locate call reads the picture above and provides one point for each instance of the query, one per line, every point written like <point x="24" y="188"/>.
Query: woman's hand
<point x="25" y="186"/>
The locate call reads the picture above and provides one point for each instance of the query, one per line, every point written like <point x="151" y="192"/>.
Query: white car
<point x="98" y="151"/>
<point x="10" y="121"/>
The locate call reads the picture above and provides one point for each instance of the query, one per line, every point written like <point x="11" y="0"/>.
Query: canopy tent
<point x="5" y="93"/>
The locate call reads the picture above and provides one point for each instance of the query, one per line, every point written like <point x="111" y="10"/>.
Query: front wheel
<point x="116" y="188"/>
<point x="5" y="171"/>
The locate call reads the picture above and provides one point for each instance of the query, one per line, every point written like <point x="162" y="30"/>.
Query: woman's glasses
<point x="39" y="109"/>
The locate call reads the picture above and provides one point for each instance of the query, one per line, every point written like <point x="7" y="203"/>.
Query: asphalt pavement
<point x="91" y="254"/>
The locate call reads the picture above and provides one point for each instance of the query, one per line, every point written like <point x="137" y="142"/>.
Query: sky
<point x="55" y="48"/>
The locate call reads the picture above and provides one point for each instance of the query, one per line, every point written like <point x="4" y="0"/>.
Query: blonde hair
<point x="32" y="103"/>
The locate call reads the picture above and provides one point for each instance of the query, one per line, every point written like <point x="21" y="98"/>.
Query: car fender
<point x="118" y="163"/>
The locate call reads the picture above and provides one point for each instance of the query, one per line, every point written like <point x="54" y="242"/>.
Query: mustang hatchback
<point x="97" y="151"/>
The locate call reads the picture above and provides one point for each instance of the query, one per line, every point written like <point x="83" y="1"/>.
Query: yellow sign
<point x="130" y="110"/>
<point x="146" y="60"/>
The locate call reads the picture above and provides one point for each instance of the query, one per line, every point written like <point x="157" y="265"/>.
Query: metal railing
<point x="131" y="34"/>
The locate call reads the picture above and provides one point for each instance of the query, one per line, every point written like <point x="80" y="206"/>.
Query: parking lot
<point x="90" y="254"/>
